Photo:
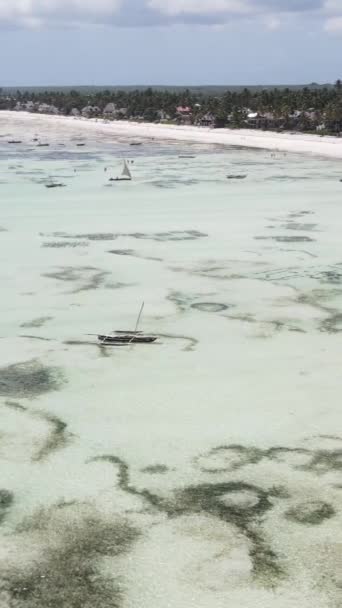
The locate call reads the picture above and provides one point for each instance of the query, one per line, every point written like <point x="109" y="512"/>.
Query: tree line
<point x="304" y="108"/>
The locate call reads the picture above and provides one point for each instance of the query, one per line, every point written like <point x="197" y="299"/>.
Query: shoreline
<point x="314" y="145"/>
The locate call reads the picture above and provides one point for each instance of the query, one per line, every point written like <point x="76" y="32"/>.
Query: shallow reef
<point x="68" y="573"/>
<point x="29" y="379"/>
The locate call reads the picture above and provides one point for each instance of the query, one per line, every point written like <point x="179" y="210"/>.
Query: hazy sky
<point x="47" y="42"/>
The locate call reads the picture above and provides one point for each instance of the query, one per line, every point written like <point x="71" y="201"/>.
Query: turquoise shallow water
<point x="203" y="470"/>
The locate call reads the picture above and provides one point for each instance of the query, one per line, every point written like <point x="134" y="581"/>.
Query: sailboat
<point x="126" y="174"/>
<point x="127" y="337"/>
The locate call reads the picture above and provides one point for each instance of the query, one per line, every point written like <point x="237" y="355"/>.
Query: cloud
<point x="134" y="13"/>
<point x="51" y="12"/>
<point x="334" y="25"/>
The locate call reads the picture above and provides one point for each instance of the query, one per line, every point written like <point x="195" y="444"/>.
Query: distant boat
<point x="127" y="337"/>
<point x="79" y="145"/>
<point x="186" y="156"/>
<point x="126" y="175"/>
<point x="236" y="176"/>
<point x="136" y="143"/>
<point x="14" y="141"/>
<point x="42" y="145"/>
<point x="54" y="184"/>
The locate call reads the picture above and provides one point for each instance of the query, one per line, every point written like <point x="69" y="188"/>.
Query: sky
<point x="171" y="42"/>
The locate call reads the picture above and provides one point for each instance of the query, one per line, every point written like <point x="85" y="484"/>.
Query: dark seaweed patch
<point x="15" y="406"/>
<point x="155" y="469"/>
<point x="123" y="251"/>
<point x="228" y="458"/>
<point x="39" y="322"/>
<point x="95" y="236"/>
<point x="324" y="461"/>
<point x="237" y="503"/>
<point x="191" y="342"/>
<point x="330" y="276"/>
<point x="57" y="439"/>
<point x="63" y="244"/>
<point x="29" y="379"/>
<point x="35" y="338"/>
<point x="310" y="513"/>
<point x="6" y="501"/>
<point x="332" y="324"/>
<point x="243" y="505"/>
<point x="210" y="306"/>
<point x="299" y="226"/>
<point x="172" y="235"/>
<point x="134" y="254"/>
<point x="89" y="277"/>
<point x="67" y="573"/>
<point x="286" y="239"/>
<point x="181" y="300"/>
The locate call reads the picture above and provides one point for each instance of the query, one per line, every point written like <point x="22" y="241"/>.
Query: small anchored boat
<point x="120" y="337"/>
<point x="125" y="339"/>
<point x="126" y="174"/>
<point x="236" y="176"/>
<point x="54" y="184"/>
<point x="15" y="141"/>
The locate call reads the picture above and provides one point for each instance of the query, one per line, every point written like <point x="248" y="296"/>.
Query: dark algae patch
<point x="85" y="278"/>
<point x="228" y="458"/>
<point x="155" y="469"/>
<point x="68" y="572"/>
<point x="57" y="439"/>
<point x="64" y="244"/>
<point x="310" y="513"/>
<point x="237" y="503"/>
<point x="209" y="306"/>
<point x="6" y="501"/>
<point x="39" y="322"/>
<point x="286" y="239"/>
<point x="29" y="379"/>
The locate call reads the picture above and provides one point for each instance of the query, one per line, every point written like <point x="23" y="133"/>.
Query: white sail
<point x="126" y="172"/>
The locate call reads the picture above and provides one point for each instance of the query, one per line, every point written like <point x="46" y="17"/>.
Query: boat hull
<point x="120" y="339"/>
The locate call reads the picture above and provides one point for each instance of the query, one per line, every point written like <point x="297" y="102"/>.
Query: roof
<point x="183" y="109"/>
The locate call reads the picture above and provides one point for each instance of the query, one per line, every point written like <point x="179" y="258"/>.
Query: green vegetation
<point x="313" y="108"/>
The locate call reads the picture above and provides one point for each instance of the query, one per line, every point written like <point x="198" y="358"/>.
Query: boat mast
<point x="139" y="317"/>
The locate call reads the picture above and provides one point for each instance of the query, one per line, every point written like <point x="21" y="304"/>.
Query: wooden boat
<point x="136" y="143"/>
<point x="79" y="145"/>
<point x="236" y="176"/>
<point x="14" y="141"/>
<point x="125" y="339"/>
<point x="126" y="175"/>
<point x="119" y="337"/>
<point x="53" y="184"/>
<point x="42" y="145"/>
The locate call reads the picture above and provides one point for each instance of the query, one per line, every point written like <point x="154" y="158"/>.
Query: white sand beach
<point x="285" y="142"/>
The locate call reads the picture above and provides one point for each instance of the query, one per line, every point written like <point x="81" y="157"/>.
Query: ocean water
<point x="200" y="471"/>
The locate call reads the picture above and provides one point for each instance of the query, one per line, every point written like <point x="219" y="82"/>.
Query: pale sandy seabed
<point x="204" y="470"/>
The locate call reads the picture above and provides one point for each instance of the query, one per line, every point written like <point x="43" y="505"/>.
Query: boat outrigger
<point x="119" y="337"/>
<point x="126" y="175"/>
